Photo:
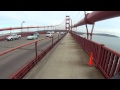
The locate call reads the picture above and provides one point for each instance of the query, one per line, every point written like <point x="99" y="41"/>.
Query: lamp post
<point x="21" y="26"/>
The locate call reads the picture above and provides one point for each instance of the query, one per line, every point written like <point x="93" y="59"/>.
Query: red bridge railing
<point x="25" y="68"/>
<point x="107" y="60"/>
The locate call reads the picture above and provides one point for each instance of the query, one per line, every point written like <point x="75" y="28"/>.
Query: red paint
<point x="101" y="56"/>
<point x="98" y="16"/>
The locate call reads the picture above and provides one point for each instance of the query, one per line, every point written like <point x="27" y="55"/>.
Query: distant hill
<point x="108" y="35"/>
<point x="100" y="34"/>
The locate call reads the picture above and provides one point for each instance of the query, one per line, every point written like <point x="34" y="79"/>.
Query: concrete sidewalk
<point x="67" y="60"/>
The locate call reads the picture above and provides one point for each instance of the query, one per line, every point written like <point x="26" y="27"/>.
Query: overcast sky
<point x="45" y="18"/>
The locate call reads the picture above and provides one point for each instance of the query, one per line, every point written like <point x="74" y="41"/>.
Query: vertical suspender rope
<point x="87" y="27"/>
<point x="86" y="24"/>
<point x="92" y="31"/>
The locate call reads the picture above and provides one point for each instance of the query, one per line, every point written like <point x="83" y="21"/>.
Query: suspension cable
<point x="76" y="16"/>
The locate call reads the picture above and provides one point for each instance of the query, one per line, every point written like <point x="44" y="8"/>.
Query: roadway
<point x="4" y="45"/>
<point x="12" y="61"/>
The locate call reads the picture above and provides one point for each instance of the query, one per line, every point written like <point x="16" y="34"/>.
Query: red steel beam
<point x="97" y="16"/>
<point x="3" y="29"/>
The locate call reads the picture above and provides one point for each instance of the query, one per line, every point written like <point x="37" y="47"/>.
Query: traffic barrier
<point x="105" y="59"/>
<point x="27" y="67"/>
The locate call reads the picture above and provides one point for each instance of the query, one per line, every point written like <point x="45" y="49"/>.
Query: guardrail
<point x="107" y="60"/>
<point x="26" y="68"/>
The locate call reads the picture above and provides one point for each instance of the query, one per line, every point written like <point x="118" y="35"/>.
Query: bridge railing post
<point x="36" y="51"/>
<point x="58" y="36"/>
<point x="99" y="55"/>
<point x="52" y="41"/>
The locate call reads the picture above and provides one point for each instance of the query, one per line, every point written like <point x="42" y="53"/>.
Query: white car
<point x="13" y="37"/>
<point x="57" y="32"/>
<point x="49" y="34"/>
<point x="32" y="37"/>
<point x="62" y="33"/>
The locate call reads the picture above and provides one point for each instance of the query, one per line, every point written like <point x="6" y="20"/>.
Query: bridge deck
<point x="67" y="60"/>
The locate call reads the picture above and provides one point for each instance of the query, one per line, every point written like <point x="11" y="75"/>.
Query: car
<point x="32" y="37"/>
<point x="48" y="34"/>
<point x="37" y="34"/>
<point x="57" y="32"/>
<point x="13" y="37"/>
<point x="62" y="33"/>
<point x="52" y="32"/>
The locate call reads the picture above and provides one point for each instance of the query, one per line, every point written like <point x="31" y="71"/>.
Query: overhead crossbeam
<point x="97" y="16"/>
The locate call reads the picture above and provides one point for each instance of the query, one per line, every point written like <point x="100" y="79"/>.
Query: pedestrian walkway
<point x="67" y="60"/>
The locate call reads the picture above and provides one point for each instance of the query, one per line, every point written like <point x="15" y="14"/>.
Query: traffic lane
<point x="45" y="44"/>
<point x="55" y="38"/>
<point x="29" y="47"/>
<point x="4" y="45"/>
<point x="15" y="60"/>
<point x="42" y="45"/>
<point x="16" y="42"/>
<point x="13" y="53"/>
<point x="7" y="44"/>
<point x="12" y="66"/>
<point x="18" y="59"/>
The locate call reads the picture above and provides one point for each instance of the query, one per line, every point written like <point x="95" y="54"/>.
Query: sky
<point x="48" y="18"/>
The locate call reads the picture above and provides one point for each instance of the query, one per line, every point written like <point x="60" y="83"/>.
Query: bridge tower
<point x="67" y="26"/>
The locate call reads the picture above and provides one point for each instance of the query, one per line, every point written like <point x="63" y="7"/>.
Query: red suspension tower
<point x="67" y="23"/>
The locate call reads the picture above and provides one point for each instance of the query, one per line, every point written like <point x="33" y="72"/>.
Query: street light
<point x="21" y="26"/>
